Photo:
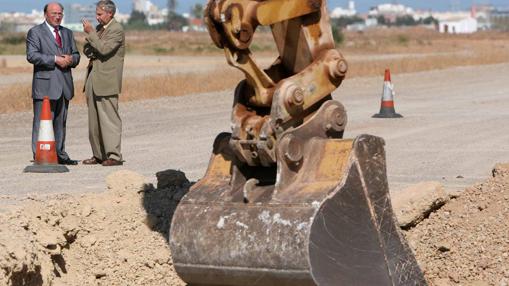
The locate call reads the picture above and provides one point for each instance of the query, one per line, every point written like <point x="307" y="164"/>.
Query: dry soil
<point x="119" y="237"/>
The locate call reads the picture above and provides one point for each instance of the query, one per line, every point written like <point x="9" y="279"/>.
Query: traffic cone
<point x="46" y="160"/>
<point x="387" y="106"/>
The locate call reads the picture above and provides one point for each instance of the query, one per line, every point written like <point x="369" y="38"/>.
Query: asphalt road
<point x="454" y="130"/>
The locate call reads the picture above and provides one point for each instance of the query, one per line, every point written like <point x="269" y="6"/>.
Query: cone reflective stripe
<point x="45" y="149"/>
<point x="46" y="160"/>
<point x="387" y="105"/>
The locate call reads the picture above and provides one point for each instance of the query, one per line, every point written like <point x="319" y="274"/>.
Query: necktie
<point x="57" y="37"/>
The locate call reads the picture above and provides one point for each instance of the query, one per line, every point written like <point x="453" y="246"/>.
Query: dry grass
<point x="368" y="53"/>
<point x="432" y="62"/>
<point x="17" y="97"/>
<point x="177" y="85"/>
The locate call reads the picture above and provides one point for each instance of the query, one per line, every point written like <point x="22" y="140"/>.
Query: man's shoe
<point x="67" y="161"/>
<point x="91" y="161"/>
<point x="112" y="162"/>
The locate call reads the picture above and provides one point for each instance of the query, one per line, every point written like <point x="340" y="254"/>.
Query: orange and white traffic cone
<point x="387" y="106"/>
<point x="46" y="160"/>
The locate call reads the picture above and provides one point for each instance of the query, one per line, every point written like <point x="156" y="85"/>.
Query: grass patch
<point x="403" y="39"/>
<point x="368" y="54"/>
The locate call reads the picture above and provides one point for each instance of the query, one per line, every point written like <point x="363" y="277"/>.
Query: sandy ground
<point x="119" y="237"/>
<point x="453" y="131"/>
<point x="466" y="242"/>
<point x="103" y="228"/>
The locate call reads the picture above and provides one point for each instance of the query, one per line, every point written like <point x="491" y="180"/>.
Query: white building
<point x="390" y="10"/>
<point x="461" y="22"/>
<point x="20" y="22"/>
<point x="339" y="12"/>
<point x="151" y="11"/>
<point x="458" y="25"/>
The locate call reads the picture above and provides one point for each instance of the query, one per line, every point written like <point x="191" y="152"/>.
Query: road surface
<point x="454" y="130"/>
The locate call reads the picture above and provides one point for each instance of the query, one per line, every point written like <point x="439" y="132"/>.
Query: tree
<point x="338" y="35"/>
<point x="172" y="5"/>
<point x="381" y="20"/>
<point x="137" y="21"/>
<point x="430" y="20"/>
<point x="406" y="20"/>
<point x="175" y="22"/>
<point x="197" y="11"/>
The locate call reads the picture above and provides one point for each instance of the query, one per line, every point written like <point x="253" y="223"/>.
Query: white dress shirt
<point x="52" y="30"/>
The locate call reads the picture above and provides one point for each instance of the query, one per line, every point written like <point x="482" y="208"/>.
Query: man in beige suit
<point x="105" y="47"/>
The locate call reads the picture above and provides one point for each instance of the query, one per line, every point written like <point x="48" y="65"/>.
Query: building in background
<point x="456" y="22"/>
<point x="499" y="19"/>
<point x="20" y="22"/>
<point x="154" y="16"/>
<point x="342" y="12"/>
<point x="390" y="12"/>
<point x="483" y="15"/>
<point x="74" y="13"/>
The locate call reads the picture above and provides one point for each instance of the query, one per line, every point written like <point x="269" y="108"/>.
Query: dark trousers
<point x="59" y="115"/>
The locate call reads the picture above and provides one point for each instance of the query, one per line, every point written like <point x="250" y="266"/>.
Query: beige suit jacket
<point x="107" y="53"/>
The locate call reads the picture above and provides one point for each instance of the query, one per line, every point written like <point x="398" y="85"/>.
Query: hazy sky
<point x="184" y="5"/>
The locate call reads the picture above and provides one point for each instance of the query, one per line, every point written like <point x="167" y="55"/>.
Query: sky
<point x="125" y="6"/>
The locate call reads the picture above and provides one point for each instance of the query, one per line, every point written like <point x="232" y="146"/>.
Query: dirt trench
<point x="119" y="237"/>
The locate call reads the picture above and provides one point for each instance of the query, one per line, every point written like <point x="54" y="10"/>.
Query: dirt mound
<point x="466" y="242"/>
<point x="119" y="237"/>
<point x="114" y="238"/>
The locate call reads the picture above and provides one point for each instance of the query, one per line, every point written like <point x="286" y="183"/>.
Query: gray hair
<point x="107" y="5"/>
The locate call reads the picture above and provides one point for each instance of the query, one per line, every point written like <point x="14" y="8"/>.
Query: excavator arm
<point x="283" y="96"/>
<point x="285" y="200"/>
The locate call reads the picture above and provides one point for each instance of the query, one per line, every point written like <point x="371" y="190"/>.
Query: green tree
<point x="197" y="11"/>
<point x="406" y="20"/>
<point x="175" y="21"/>
<point x="338" y="35"/>
<point x="381" y="20"/>
<point x="429" y="20"/>
<point x="172" y="5"/>
<point x="137" y="21"/>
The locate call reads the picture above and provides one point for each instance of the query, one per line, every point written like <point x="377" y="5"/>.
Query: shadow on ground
<point x="160" y="203"/>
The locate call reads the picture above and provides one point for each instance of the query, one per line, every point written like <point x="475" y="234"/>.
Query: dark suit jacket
<point x="108" y="54"/>
<point x="49" y="79"/>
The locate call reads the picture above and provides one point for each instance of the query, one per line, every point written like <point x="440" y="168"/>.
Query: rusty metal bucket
<point x="324" y="218"/>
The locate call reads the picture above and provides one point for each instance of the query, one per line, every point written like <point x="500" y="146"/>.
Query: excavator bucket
<point x="328" y="221"/>
<point x="286" y="200"/>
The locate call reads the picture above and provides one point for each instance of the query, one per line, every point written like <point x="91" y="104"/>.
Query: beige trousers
<point x="104" y="124"/>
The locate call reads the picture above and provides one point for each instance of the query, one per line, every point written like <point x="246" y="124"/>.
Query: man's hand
<point x="63" y="61"/>
<point x="87" y="27"/>
<point x="67" y="59"/>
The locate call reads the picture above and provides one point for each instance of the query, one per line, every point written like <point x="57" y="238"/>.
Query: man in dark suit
<point x="52" y="50"/>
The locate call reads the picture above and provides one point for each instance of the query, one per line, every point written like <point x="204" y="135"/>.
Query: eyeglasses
<point x="54" y="14"/>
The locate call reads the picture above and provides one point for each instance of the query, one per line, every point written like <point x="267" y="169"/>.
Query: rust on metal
<point x="285" y="199"/>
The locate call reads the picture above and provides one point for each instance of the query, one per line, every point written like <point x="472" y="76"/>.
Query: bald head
<point x="54" y="13"/>
<point x="52" y="4"/>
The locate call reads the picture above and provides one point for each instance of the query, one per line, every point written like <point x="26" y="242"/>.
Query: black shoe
<point x="67" y="161"/>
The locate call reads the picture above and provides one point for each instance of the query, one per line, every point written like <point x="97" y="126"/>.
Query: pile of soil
<point x="120" y="237"/>
<point x="466" y="242"/>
